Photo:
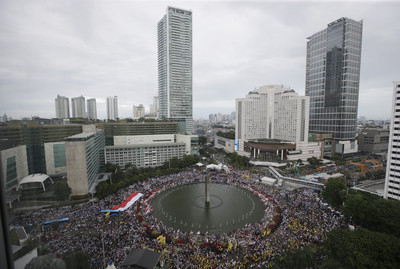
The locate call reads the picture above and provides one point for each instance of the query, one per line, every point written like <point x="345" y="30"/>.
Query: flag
<point x="128" y="202"/>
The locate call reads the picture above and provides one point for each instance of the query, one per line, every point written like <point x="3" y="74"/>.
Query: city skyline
<point x="102" y="50"/>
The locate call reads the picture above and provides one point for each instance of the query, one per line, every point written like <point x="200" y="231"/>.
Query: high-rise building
<point x="392" y="182"/>
<point x="272" y="112"/>
<point x="62" y="107"/>
<point x="92" y="109"/>
<point x="84" y="156"/>
<point x="78" y="107"/>
<point x="332" y="81"/>
<point x="154" y="107"/>
<point x="138" y="111"/>
<point x="112" y="108"/>
<point x="175" y="68"/>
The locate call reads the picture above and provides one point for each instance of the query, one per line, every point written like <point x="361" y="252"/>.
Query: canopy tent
<point x="31" y="181"/>
<point x="268" y="180"/>
<point x="142" y="258"/>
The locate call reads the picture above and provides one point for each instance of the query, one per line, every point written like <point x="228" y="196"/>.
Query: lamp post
<point x="102" y="242"/>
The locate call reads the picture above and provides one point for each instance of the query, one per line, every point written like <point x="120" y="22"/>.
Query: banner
<point x="128" y="202"/>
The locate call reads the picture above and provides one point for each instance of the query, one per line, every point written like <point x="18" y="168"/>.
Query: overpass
<point x="280" y="178"/>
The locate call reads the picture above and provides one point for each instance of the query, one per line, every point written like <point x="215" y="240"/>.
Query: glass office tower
<point x="175" y="68"/>
<point x="332" y="78"/>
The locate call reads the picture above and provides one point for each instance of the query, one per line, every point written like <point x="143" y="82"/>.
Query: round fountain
<point x="207" y="207"/>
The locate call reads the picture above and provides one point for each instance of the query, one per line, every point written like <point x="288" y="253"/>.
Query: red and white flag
<point x="128" y="202"/>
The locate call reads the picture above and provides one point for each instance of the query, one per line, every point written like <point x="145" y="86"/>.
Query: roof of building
<point x="80" y="137"/>
<point x="33" y="178"/>
<point x="145" y="145"/>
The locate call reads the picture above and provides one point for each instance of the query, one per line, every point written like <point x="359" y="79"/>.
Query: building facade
<point x="91" y="109"/>
<point x="138" y="112"/>
<point x="228" y="145"/>
<point x="34" y="137"/>
<point x="392" y="182"/>
<point x="112" y="108"/>
<point x="14" y="166"/>
<point x="56" y="163"/>
<point x="62" y="107"/>
<point x="272" y="112"/>
<point x="374" y="141"/>
<point x="150" y="150"/>
<point x="136" y="128"/>
<point x="84" y="157"/>
<point x="332" y="79"/>
<point x="175" y="101"/>
<point x="154" y="107"/>
<point x="78" y="107"/>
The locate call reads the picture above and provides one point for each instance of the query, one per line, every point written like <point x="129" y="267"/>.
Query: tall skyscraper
<point x="78" y="107"/>
<point x="392" y="182"/>
<point x="112" y="108"/>
<point x="332" y="80"/>
<point x="92" y="109"/>
<point x="175" y="68"/>
<point x="62" y="107"/>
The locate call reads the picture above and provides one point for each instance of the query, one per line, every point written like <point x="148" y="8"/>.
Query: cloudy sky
<point x="104" y="48"/>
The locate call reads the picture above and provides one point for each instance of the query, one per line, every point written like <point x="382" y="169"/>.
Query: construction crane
<point x="362" y="166"/>
<point x="378" y="163"/>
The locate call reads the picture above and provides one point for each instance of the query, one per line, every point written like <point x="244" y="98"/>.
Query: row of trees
<point x="227" y="135"/>
<point x="376" y="241"/>
<point x="132" y="174"/>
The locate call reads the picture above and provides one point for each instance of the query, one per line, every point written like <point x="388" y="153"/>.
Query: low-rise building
<point x="150" y="150"/>
<point x="228" y="145"/>
<point x="374" y="140"/>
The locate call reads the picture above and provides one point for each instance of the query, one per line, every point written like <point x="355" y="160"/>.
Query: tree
<point x="373" y="212"/>
<point x="202" y="140"/>
<point x="46" y="262"/>
<point x="301" y="258"/>
<point x="313" y="161"/>
<point x="76" y="260"/>
<point x="335" y="191"/>
<point x="362" y="249"/>
<point x="61" y="190"/>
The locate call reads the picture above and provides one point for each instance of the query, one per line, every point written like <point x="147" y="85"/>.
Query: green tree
<point x="46" y="262"/>
<point x="301" y="258"/>
<point x="362" y="249"/>
<point x="76" y="260"/>
<point x="335" y="191"/>
<point x="227" y="135"/>
<point x="202" y="140"/>
<point x="103" y="189"/>
<point x="61" y="190"/>
<point x="373" y="212"/>
<point x="313" y="161"/>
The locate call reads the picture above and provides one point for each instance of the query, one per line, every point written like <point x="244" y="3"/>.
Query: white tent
<point x="268" y="180"/>
<point x="31" y="181"/>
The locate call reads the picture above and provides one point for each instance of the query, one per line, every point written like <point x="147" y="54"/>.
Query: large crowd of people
<point x="303" y="221"/>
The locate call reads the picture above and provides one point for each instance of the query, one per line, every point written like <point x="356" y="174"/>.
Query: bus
<point x="62" y="221"/>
